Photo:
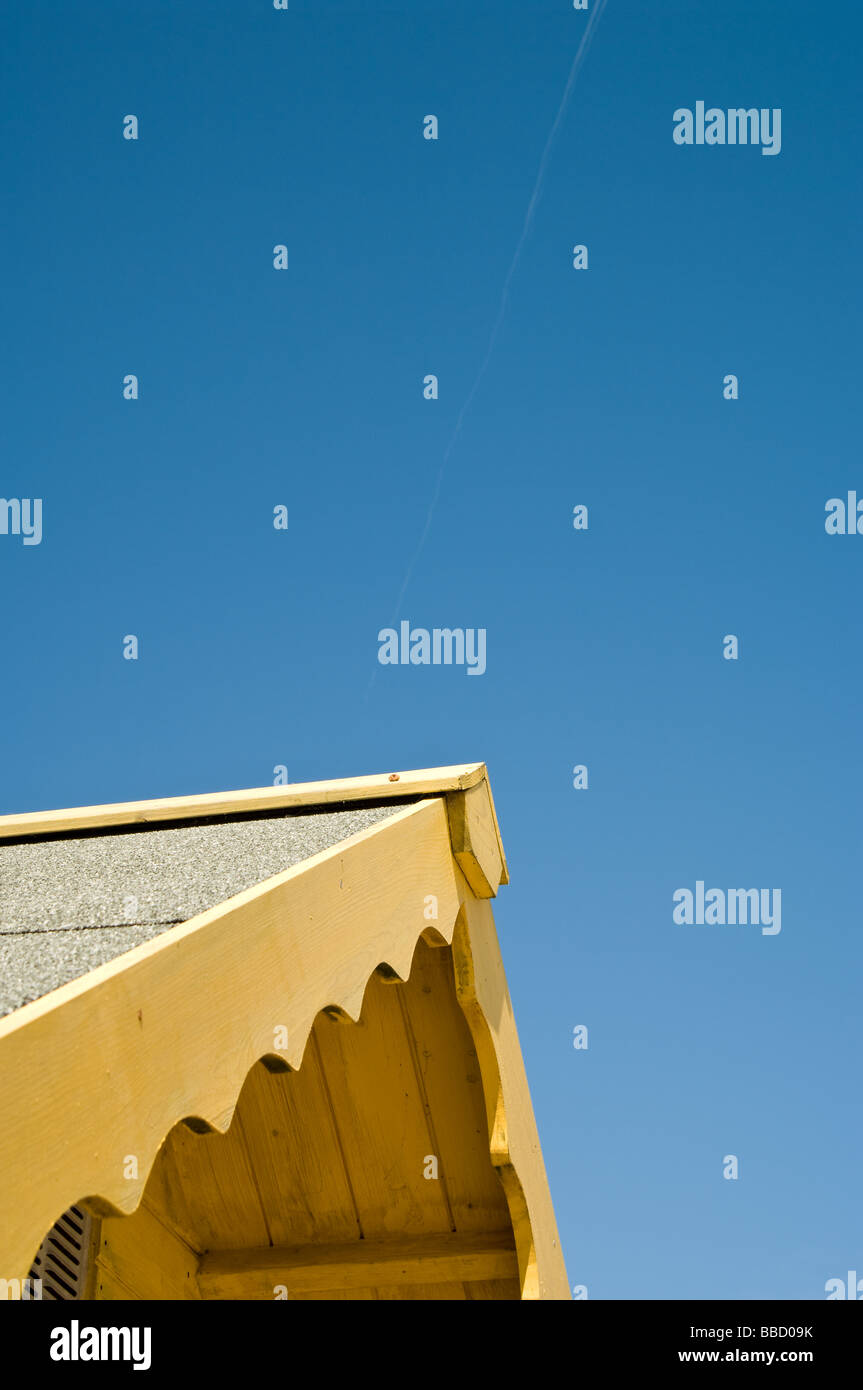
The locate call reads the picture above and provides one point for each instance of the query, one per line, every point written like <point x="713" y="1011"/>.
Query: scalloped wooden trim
<point x="103" y="1068"/>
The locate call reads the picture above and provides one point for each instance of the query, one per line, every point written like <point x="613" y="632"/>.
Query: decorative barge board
<point x="260" y="1044"/>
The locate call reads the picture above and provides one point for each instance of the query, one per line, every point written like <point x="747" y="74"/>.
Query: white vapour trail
<point x="577" y="61"/>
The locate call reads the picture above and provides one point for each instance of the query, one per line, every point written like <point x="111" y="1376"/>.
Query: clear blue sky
<point x="258" y="647"/>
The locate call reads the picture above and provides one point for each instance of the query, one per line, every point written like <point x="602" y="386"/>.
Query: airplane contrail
<point x="577" y="61"/>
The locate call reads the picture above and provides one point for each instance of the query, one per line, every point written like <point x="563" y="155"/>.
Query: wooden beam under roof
<point x="360" y="1264"/>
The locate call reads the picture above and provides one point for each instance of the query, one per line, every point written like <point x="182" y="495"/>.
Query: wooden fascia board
<point x="379" y="787"/>
<point x="319" y="1269"/>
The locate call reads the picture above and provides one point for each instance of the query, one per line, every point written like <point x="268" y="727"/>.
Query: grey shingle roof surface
<point x="70" y="904"/>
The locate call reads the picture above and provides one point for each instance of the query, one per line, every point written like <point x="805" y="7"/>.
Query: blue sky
<point x="604" y="387"/>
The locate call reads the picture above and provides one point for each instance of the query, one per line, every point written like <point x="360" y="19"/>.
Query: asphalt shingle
<point x="70" y="904"/>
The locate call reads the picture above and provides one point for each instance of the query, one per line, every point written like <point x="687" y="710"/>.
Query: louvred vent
<point x="61" y="1263"/>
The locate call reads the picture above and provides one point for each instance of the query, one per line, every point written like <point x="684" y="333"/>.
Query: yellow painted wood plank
<point x="476" y="839"/>
<point x="164" y="1194"/>
<point x="108" y="1288"/>
<point x="381" y="1118"/>
<point x="219" y="1187"/>
<point x="451" y="1292"/>
<point x="514" y="1142"/>
<point x="338" y="1296"/>
<point x="379" y="786"/>
<point x="452" y="1083"/>
<point x="147" y="1258"/>
<point x="291" y="1138"/>
<point x="491" y="1290"/>
<point x="360" y="1264"/>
